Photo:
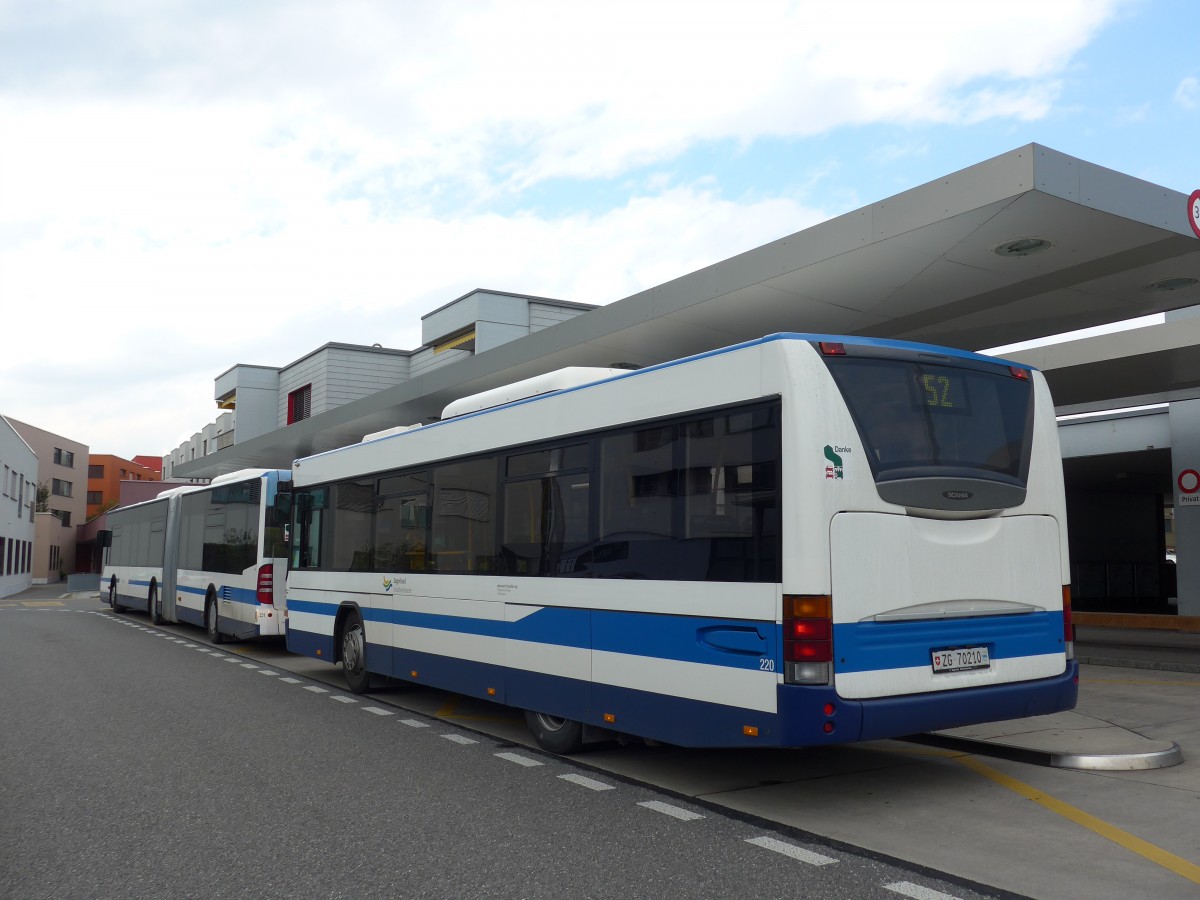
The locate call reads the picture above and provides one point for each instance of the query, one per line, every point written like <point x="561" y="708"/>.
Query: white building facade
<point x="17" y="501"/>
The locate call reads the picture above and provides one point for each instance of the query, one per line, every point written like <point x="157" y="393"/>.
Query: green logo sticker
<point x="834" y="470"/>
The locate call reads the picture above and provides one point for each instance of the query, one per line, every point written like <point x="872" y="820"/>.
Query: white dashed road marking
<point x="590" y="783"/>
<point x="414" y="723"/>
<point x="519" y="759"/>
<point x="340" y="698"/>
<point x="669" y="810"/>
<point x="315" y="689"/>
<point x="459" y="739"/>
<point x="815" y="859"/>
<point x="378" y="711"/>
<point x="908" y="889"/>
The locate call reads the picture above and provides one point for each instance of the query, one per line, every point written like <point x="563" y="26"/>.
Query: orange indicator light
<point x="491" y="692"/>
<point x="318" y="653"/>
<point x="413" y="673"/>
<point x="750" y="730"/>
<point x="610" y="718"/>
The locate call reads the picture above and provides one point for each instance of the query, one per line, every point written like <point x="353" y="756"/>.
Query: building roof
<point x="947" y="262"/>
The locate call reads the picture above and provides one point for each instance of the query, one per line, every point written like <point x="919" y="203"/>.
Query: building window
<point x="95" y="471"/>
<point x="64" y="516"/>
<point x="95" y="498"/>
<point x="300" y="404"/>
<point x="64" y="458"/>
<point x="60" y="488"/>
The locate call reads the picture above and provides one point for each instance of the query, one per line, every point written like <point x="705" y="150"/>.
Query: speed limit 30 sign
<point x="1194" y="212"/>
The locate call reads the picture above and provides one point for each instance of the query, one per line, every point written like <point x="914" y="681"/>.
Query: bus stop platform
<point x="1139" y="706"/>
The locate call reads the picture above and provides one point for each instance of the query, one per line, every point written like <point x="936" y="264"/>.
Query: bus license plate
<point x="961" y="659"/>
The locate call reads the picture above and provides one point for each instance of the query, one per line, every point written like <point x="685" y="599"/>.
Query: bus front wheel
<point x="354" y="656"/>
<point x="553" y="733"/>
<point x="211" y="625"/>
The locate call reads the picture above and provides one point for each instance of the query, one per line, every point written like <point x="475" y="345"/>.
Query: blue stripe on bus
<point x="801" y="718"/>
<point x="225" y="592"/>
<point x="858" y="647"/>
<point x="723" y="642"/>
<point x="872" y="646"/>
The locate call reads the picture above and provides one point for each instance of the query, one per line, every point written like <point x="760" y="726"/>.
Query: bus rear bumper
<point x="817" y="715"/>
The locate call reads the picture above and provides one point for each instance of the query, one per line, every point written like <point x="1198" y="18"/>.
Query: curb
<point x="1155" y="665"/>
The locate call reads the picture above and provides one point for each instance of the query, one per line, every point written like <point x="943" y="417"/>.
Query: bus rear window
<point x="917" y="417"/>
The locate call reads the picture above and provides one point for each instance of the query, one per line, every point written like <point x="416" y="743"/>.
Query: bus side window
<point x="308" y="515"/>
<point x="401" y="529"/>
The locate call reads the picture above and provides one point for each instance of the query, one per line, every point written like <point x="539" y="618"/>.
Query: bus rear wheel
<point x="354" y="656"/>
<point x="555" y="734"/>
<point x="152" y="607"/>
<point x="211" y="625"/>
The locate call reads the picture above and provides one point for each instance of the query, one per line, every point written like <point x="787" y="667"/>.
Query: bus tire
<point x="211" y="623"/>
<point x="553" y="733"/>
<point x="152" y="607"/>
<point x="112" y="595"/>
<point x="354" y="655"/>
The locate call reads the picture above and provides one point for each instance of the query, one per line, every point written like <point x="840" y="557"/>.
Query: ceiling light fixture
<point x="1173" y="284"/>
<point x="1022" y="247"/>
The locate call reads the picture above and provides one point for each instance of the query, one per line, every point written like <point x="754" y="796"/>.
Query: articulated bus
<point x="206" y="555"/>
<point x="795" y="541"/>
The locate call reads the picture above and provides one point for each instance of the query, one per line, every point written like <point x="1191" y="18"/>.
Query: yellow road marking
<point x="42" y="603"/>
<point x="1170" y="861"/>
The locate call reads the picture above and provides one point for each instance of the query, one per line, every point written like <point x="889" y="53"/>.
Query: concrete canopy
<point x="922" y="265"/>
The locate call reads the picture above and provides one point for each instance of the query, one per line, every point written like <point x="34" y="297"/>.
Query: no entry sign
<point x="1188" y="481"/>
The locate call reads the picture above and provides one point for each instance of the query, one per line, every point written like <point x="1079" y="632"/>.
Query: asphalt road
<point x="136" y="762"/>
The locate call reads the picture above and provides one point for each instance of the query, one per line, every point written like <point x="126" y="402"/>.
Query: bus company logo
<point x="834" y="469"/>
<point x="957" y="495"/>
<point x="387" y="585"/>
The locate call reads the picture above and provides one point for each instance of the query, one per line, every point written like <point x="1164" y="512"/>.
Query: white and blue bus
<point x="206" y="555"/>
<point x="795" y="541"/>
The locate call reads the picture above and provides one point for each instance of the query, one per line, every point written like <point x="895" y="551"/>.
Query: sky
<point x="186" y="185"/>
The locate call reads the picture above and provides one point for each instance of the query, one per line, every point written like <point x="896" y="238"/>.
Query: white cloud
<point x="1187" y="94"/>
<point x="190" y="185"/>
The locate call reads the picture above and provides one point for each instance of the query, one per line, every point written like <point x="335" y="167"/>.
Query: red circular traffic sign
<point x="1194" y="212"/>
<point x="1188" y="481"/>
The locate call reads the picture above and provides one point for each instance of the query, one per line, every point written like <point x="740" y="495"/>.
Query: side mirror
<point x="103" y="539"/>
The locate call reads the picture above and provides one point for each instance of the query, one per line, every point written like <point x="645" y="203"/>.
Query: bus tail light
<point x="807" y="639"/>
<point x="266" y="585"/>
<point x="1068" y="623"/>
